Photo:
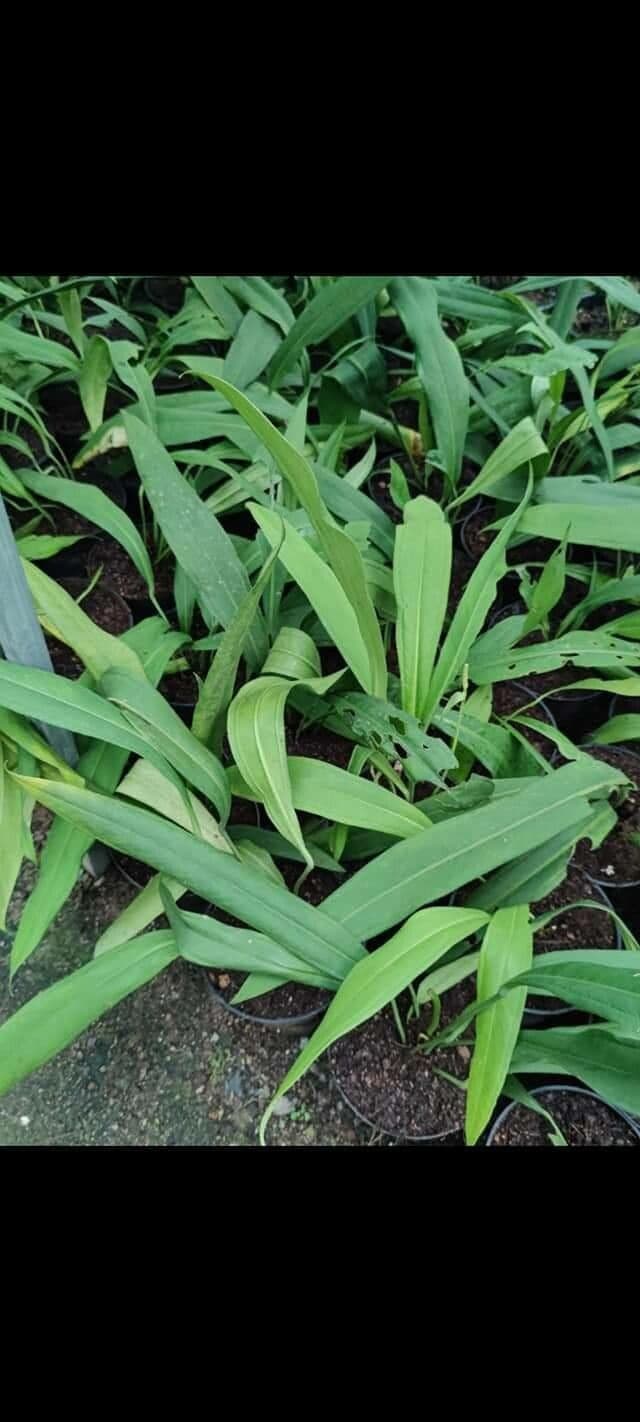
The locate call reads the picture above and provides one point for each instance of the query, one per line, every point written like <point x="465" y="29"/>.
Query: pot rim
<point x="575" y="1091"/>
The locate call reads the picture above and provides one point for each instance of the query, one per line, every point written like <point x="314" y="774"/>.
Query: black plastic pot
<point x="290" y="1026"/>
<point x="394" y="1135"/>
<point x="76" y="586"/>
<point x="624" y="706"/>
<point x="575" y="1091"/>
<point x="556" y="1016"/>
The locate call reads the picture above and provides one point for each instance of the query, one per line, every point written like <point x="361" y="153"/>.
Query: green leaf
<point x="219" y="300"/>
<point x="339" y="550"/>
<point x="523" y="445"/>
<point x="294" y="654"/>
<point x="65" y="619"/>
<point x="599" y="980"/>
<point x="431" y="865"/>
<point x="71" y="308"/>
<point x="57" y="701"/>
<point x="93" y="379"/>
<point x="319" y="788"/>
<point x="146" y="710"/>
<point x="439" y="366"/>
<point x="506" y="950"/>
<point x="421" y="573"/>
<point x="472" y="610"/>
<point x="580" y="649"/>
<point x="598" y="1058"/>
<point x="16" y="729"/>
<point x="212" y="944"/>
<point x="618" y="729"/>
<point x="255" y="728"/>
<point x="53" y="1019"/>
<point x="322" y="588"/>
<point x="326" y="312"/>
<point x="216" y="690"/>
<point x="200" y="544"/>
<point x="251" y="350"/>
<point x="11" y="806"/>
<point x="94" y="505"/>
<point x="548" y="589"/>
<point x="35" y="349"/>
<point x="379" y="978"/>
<point x="216" y="877"/>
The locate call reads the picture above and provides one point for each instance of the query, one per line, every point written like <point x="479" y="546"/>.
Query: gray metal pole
<point x="22" y="640"/>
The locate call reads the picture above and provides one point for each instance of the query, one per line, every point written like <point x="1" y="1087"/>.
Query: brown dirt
<point x="104" y="607"/>
<point x="180" y="688"/>
<point x="396" y="1088"/>
<point x="319" y="744"/>
<point x="122" y="573"/>
<point x="583" y="1119"/>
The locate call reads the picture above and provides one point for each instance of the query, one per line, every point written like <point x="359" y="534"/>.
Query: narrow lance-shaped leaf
<point x="381" y="977"/>
<point x="439" y="366"/>
<point x="255" y="727"/>
<point x="472" y="610"/>
<point x="523" y="445"/>
<point x="217" y="689"/>
<point x="200" y="544"/>
<point x="65" y="618"/>
<point x="94" y="505"/>
<point x="325" y="313"/>
<point x="339" y="550"/>
<point x="54" y="1018"/>
<point x="421" y="573"/>
<point x="152" y="717"/>
<point x="506" y="951"/>
<point x="430" y="865"/>
<point x="318" y="788"/>
<point x="218" y="878"/>
<point x="600" y="1059"/>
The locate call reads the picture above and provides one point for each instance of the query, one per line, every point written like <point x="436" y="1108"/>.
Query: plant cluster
<point x="338" y="578"/>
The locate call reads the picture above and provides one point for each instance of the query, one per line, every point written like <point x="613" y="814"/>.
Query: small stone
<point x="215" y="1036"/>
<point x="224" y="980"/>
<point x="464" y="1053"/>
<point x="199" y="1090"/>
<point x="283" y="1106"/>
<point x="25" y="1120"/>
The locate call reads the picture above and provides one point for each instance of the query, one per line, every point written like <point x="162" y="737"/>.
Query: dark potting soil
<point x="583" y="1120"/>
<point x="104" y="608"/>
<point x="579" y="928"/>
<point x="319" y="744"/>
<point x="478" y="537"/>
<point x="123" y="574"/>
<point x="509" y="698"/>
<point x="291" y="999"/>
<point x="132" y="868"/>
<point x="461" y="570"/>
<point x="397" y="1088"/>
<point x="180" y="688"/>
<point x="617" y="860"/>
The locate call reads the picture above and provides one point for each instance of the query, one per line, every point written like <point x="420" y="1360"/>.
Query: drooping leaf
<point x="379" y="978"/>
<point x="506" y="951"/>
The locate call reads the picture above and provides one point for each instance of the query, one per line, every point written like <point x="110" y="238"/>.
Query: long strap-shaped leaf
<point x="522" y="445"/>
<point x="472" y="610"/>
<point x="325" y="313"/>
<point x="439" y="366"/>
<point x="217" y="877"/>
<point x="55" y="1017"/>
<point x="322" y="588"/>
<point x="201" y="546"/>
<point x="61" y="615"/>
<point x="379" y="978"/>
<point x="94" y="505"/>
<point x="599" y="1058"/>
<point x="255" y="727"/>
<point x="506" y="950"/>
<point x="152" y="717"/>
<point x="212" y="944"/>
<point x="339" y="550"/>
<point x="101" y="765"/>
<point x="51" y="698"/>
<point x="217" y="689"/>
<point x="442" y="858"/>
<point x="421" y="573"/>
<point x="318" y="788"/>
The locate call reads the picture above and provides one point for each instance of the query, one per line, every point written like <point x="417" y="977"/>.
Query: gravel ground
<point x="167" y="1066"/>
